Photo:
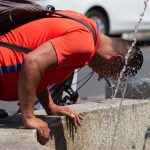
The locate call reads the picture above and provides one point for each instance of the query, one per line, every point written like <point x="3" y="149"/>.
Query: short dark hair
<point x="135" y="58"/>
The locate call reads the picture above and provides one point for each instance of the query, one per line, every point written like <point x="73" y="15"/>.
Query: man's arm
<point x="52" y="109"/>
<point x="46" y="100"/>
<point x="33" y="67"/>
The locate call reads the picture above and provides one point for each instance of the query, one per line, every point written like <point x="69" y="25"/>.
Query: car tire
<point x="101" y="18"/>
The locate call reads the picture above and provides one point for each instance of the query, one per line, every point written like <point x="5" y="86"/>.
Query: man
<point x="59" y="45"/>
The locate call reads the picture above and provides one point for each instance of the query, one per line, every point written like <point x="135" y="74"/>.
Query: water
<point x="110" y="113"/>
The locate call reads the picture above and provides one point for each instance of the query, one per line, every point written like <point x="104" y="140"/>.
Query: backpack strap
<point x="15" y="47"/>
<point x="52" y="10"/>
<point x="82" y="22"/>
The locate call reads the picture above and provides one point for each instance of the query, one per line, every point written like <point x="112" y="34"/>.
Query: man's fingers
<point x="40" y="136"/>
<point x="46" y="131"/>
<point x="81" y="117"/>
<point x="78" y="120"/>
<point x="75" y="122"/>
<point x="41" y="127"/>
<point x="75" y="116"/>
<point x="69" y="114"/>
<point x="43" y="135"/>
<point x="74" y="112"/>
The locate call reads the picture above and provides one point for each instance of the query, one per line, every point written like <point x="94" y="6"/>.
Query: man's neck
<point x="104" y="47"/>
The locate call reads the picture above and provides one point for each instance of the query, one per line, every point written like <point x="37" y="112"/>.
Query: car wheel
<point x="101" y="18"/>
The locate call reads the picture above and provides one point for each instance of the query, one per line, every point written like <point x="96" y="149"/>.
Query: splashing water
<point x="121" y="75"/>
<point x="130" y="49"/>
<point x="109" y="115"/>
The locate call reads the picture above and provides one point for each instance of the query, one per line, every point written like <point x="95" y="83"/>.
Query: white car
<point x="115" y="16"/>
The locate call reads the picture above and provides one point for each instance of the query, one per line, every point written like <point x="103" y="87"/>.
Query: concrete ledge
<point x="96" y="132"/>
<point x="19" y="139"/>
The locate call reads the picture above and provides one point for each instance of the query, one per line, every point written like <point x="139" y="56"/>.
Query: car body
<point x="115" y="16"/>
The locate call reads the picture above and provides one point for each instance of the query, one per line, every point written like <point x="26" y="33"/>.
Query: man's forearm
<point x="33" y="68"/>
<point x="26" y="99"/>
<point x="46" y="100"/>
<point x="30" y="76"/>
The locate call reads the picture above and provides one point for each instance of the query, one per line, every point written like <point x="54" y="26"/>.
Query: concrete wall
<point x="96" y="132"/>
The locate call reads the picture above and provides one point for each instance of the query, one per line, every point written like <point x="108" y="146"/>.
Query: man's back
<point x="67" y="37"/>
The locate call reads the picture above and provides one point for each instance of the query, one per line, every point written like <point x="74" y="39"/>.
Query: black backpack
<point x="14" y="13"/>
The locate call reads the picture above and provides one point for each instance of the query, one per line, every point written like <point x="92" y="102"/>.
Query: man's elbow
<point x="31" y="64"/>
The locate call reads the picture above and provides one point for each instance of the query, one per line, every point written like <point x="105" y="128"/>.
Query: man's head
<point x="111" y="56"/>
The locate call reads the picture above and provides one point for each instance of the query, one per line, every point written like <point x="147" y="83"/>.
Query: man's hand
<point x="41" y="127"/>
<point x="52" y="109"/>
<point x="65" y="111"/>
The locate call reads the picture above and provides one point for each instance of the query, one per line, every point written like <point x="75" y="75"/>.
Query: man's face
<point x="110" y="68"/>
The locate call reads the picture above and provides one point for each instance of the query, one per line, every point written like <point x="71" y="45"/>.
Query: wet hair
<point x="135" y="58"/>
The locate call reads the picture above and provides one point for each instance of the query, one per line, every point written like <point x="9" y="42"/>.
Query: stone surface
<point x="96" y="132"/>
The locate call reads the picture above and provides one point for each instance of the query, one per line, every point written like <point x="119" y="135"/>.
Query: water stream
<point x="119" y="112"/>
